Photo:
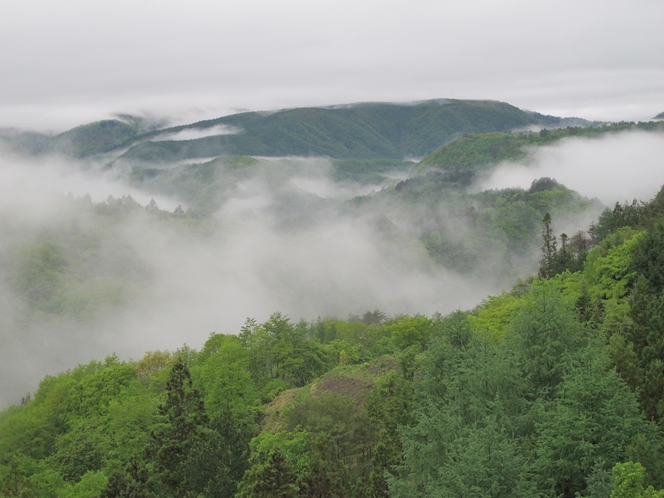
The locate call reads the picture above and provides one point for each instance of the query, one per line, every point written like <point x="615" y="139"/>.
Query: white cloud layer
<point x="619" y="167"/>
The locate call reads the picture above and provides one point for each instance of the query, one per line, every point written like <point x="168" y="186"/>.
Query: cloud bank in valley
<point x="276" y="246"/>
<point x="614" y="168"/>
<point x="279" y="242"/>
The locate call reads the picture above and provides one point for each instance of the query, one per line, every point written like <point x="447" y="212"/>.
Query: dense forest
<point x="552" y="388"/>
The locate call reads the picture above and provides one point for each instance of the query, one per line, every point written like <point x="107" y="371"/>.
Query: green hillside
<point x="362" y="131"/>
<point x="358" y="131"/>
<point x="551" y="390"/>
<point x="472" y="153"/>
<point x="92" y="138"/>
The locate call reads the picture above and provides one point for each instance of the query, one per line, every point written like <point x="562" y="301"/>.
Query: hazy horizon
<point x="77" y="62"/>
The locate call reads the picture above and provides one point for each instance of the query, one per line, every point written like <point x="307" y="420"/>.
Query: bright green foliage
<point x="493" y="315"/>
<point x="279" y="350"/>
<point x="149" y="367"/>
<point x="538" y="392"/>
<point x="608" y="268"/>
<point x="224" y="377"/>
<point x="91" y="396"/>
<point x="285" y="451"/>
<point x="81" y="450"/>
<point x="90" y="485"/>
<point x="293" y="444"/>
<point x="629" y="482"/>
<point x="408" y="331"/>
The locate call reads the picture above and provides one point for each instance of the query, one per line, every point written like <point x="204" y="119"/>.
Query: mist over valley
<point x="331" y="249"/>
<point x="109" y="250"/>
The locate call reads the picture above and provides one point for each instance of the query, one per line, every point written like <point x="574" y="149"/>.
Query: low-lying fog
<point x="285" y="248"/>
<point x="618" y="167"/>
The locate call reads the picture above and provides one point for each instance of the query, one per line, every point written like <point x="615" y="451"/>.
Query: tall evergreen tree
<point x="275" y="478"/>
<point x="184" y="450"/>
<point x="549" y="248"/>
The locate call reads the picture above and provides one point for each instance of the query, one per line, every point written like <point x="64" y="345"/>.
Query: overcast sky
<point x="68" y="62"/>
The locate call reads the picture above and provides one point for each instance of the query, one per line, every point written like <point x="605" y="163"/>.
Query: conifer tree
<point x="275" y="478"/>
<point x="184" y="450"/>
<point x="549" y="248"/>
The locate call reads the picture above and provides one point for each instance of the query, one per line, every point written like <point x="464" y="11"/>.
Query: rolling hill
<point x="357" y="131"/>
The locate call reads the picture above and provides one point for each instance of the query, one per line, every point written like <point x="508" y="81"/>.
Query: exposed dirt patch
<point x="341" y="384"/>
<point x="274" y="410"/>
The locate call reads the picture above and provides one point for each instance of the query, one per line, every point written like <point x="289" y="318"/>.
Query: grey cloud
<point x="83" y="61"/>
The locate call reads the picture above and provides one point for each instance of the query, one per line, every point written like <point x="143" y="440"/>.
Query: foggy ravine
<point x="280" y="248"/>
<point x="614" y="168"/>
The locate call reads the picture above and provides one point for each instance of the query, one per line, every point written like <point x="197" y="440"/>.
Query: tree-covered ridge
<point x="93" y="138"/>
<point x="470" y="154"/>
<point x="464" y="231"/>
<point x="553" y="389"/>
<point x="362" y="131"/>
<point x="358" y="131"/>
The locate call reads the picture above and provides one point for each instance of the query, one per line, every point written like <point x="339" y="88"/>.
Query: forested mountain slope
<point x="358" y="131"/>
<point x="362" y="131"/>
<point x="553" y="389"/>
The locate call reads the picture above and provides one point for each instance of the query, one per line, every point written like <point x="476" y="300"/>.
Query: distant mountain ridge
<point x="357" y="131"/>
<point x="361" y="131"/>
